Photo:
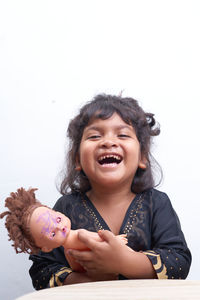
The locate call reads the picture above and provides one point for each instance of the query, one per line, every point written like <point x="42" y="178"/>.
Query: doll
<point x="33" y="227"/>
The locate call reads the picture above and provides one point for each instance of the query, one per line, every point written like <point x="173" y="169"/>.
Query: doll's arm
<point x="73" y="242"/>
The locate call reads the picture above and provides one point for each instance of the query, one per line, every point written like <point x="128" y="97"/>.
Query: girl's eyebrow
<point x="118" y="127"/>
<point x="95" y="128"/>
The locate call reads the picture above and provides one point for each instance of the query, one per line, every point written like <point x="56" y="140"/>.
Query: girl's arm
<point x="76" y="277"/>
<point x="112" y="257"/>
<point x="169" y="253"/>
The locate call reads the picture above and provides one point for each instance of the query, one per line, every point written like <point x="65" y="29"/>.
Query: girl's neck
<point x="112" y="206"/>
<point x="110" y="196"/>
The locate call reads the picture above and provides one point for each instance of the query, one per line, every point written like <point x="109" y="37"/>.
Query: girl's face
<point x="49" y="228"/>
<point x="110" y="153"/>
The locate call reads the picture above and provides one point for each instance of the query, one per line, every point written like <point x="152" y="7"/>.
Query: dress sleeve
<point x="49" y="269"/>
<point x="169" y="254"/>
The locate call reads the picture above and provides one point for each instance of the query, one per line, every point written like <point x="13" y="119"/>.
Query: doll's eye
<point x="52" y="234"/>
<point x="58" y="219"/>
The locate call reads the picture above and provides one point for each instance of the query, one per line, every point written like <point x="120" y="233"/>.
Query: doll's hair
<point x="21" y="206"/>
<point x="103" y="106"/>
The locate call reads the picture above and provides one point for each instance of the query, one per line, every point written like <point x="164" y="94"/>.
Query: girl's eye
<point x="58" y="219"/>
<point x="93" y="137"/>
<point x="52" y="234"/>
<point x="123" y="135"/>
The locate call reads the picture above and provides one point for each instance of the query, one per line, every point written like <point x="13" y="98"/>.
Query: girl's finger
<point x="106" y="235"/>
<point x="80" y="255"/>
<point x="86" y="239"/>
<point x="86" y="265"/>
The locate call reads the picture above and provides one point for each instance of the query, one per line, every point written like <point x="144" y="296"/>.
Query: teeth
<point x="117" y="157"/>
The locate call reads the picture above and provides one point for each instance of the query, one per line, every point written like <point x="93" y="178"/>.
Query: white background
<point x="55" y="55"/>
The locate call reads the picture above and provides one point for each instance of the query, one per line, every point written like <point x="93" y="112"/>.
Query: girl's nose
<point x="108" y="143"/>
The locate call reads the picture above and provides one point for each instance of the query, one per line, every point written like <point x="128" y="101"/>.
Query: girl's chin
<point x="108" y="182"/>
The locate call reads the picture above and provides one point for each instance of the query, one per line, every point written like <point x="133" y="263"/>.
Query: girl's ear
<point x="78" y="168"/>
<point x="78" y="164"/>
<point x="46" y="249"/>
<point x="143" y="163"/>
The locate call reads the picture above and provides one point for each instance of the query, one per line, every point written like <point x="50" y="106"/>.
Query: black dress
<point x="151" y="225"/>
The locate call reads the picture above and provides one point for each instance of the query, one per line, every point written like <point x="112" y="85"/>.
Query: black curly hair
<point x="103" y="106"/>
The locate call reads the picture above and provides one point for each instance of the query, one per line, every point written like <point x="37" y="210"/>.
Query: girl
<point x="108" y="187"/>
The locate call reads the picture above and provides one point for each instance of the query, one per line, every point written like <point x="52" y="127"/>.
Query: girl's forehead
<point x="100" y="118"/>
<point x="115" y="118"/>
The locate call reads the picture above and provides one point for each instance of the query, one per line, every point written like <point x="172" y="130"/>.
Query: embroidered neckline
<point x="92" y="213"/>
<point x="132" y="214"/>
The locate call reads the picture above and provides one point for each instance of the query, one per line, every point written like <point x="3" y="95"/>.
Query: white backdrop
<point x="55" y="55"/>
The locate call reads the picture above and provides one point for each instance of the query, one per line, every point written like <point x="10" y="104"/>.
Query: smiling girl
<point x="108" y="188"/>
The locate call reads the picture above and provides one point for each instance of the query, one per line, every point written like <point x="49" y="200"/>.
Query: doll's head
<point x="103" y="107"/>
<point x="21" y="205"/>
<point x="33" y="226"/>
<point x="49" y="228"/>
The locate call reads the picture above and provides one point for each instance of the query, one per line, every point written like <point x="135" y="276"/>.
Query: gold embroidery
<point x="162" y="274"/>
<point x="51" y="281"/>
<point x="133" y="215"/>
<point x="97" y="222"/>
<point x="55" y="277"/>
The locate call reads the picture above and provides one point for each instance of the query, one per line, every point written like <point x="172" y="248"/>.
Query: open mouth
<point x="109" y="159"/>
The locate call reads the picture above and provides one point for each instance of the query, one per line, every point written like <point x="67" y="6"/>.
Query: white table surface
<point x="121" y="289"/>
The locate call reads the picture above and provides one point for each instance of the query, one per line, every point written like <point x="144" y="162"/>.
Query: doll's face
<point x="49" y="228"/>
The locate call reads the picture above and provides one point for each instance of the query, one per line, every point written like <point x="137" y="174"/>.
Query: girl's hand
<point x="110" y="257"/>
<point x="104" y="259"/>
